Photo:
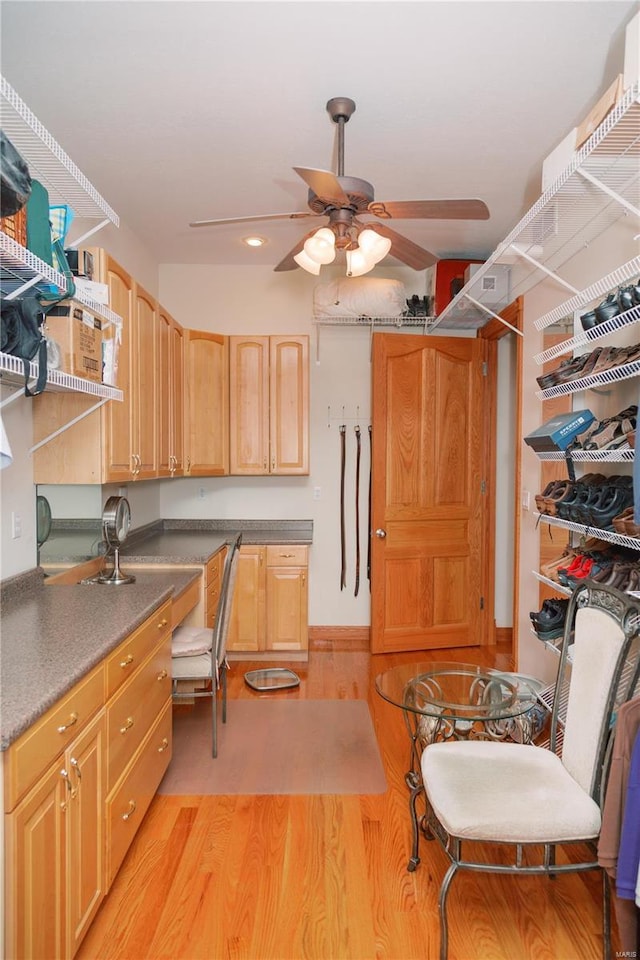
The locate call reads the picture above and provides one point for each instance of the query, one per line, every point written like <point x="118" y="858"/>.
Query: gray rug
<point x="276" y="746"/>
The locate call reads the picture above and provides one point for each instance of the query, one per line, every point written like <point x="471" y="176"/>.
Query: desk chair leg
<point x="606" y="917"/>
<point x="416" y="790"/>
<point x="214" y="721"/>
<point x="442" y="904"/>
<point x="223" y="685"/>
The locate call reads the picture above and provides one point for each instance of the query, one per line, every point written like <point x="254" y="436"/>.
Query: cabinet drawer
<point x="128" y="803"/>
<point x="213" y="596"/>
<point x="287" y="556"/>
<point x="135" y="709"/>
<point x="131" y="653"/>
<point x="214" y="567"/>
<point x="32" y="753"/>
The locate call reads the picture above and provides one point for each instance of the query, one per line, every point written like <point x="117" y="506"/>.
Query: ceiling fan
<point x="344" y="200"/>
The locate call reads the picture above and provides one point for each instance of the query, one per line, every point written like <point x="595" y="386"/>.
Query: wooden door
<point x="289" y="405"/>
<point x="35" y="842"/>
<point x="145" y="359"/>
<point x="84" y="761"/>
<point x="118" y="416"/>
<point x="207" y="404"/>
<point x="429" y="487"/>
<point x="247" y="626"/>
<point x="249" y="405"/>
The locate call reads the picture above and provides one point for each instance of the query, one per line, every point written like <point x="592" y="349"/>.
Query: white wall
<point x="611" y="249"/>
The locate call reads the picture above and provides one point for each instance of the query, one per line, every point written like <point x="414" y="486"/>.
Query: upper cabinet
<point x="269" y="405"/>
<point x="206" y="404"/>
<point x="20" y="270"/>
<point x="170" y="385"/>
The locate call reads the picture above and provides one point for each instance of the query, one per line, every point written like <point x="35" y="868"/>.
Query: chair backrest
<point x="223" y="614"/>
<point x="600" y="662"/>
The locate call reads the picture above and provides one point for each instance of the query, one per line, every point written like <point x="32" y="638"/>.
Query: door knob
<point x="381" y="533"/>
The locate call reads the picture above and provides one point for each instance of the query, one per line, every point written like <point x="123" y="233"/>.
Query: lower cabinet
<point x="76" y="786"/>
<point x="269" y="612"/>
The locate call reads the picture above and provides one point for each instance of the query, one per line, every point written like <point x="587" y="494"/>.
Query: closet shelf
<point x="47" y="161"/>
<point x="20" y="268"/>
<point x="596" y="291"/>
<point x="596" y="333"/>
<point x="624" y="455"/>
<point x="614" y="375"/>
<point x="609" y="535"/>
<point x="558" y="587"/>
<point x="575" y="210"/>
<point x="373" y="321"/>
<point x="12" y="373"/>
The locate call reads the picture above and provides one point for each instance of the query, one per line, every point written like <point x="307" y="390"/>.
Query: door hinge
<point x="485" y="368"/>
<point x="483" y="486"/>
<point x="482" y="603"/>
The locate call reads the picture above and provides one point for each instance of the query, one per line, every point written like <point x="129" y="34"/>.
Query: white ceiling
<point x="179" y="111"/>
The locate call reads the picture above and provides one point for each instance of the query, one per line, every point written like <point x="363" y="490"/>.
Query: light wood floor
<point x="324" y="877"/>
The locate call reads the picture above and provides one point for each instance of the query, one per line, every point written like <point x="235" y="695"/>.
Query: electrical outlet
<point x="16" y="525"/>
<point x="526" y="500"/>
<point x="201" y="493"/>
<point x="317" y="493"/>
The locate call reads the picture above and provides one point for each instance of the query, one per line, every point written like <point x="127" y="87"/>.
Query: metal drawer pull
<point x="163" y="623"/>
<point x="163" y="746"/>
<point x="130" y="812"/>
<point x="127" y="726"/>
<point x="65" y="776"/>
<point x="128" y="660"/>
<point x="163" y="673"/>
<point x="76" y="767"/>
<point x="73" y="718"/>
<point x="287" y="554"/>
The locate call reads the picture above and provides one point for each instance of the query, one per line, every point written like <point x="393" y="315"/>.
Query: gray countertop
<point x="53" y="634"/>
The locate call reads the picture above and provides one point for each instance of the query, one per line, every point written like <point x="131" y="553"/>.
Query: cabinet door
<point x="118" y="416"/>
<point x="207" y="404"/>
<point x="177" y="398"/>
<point x="249" y="405"/>
<point x="289" y="405"/>
<point x="170" y="387"/>
<point x="145" y="357"/>
<point x="247" y="627"/>
<point x="35" y="839"/>
<point x="286" y="608"/>
<point x="84" y="763"/>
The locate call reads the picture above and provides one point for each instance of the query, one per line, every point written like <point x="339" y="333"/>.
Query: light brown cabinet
<point x="269" y="405"/>
<point x="207" y="404"/>
<point x="269" y="611"/>
<point x="170" y="396"/>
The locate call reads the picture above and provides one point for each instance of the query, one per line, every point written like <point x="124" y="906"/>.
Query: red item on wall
<point x="449" y="280"/>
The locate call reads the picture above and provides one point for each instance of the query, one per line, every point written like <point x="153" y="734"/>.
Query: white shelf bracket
<point x="56" y="433"/>
<point x="89" y="233"/>
<point x="539" y="266"/>
<point x="609" y="192"/>
<point x="11" y="398"/>
<point x="25" y="286"/>
<point x="495" y="316"/>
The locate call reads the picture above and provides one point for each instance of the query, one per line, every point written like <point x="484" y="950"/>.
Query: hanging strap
<point x="357" y="587"/>
<point x="343" y="551"/>
<point x="369" y="517"/>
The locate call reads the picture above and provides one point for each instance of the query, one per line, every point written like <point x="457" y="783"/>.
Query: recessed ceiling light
<point x="254" y="241"/>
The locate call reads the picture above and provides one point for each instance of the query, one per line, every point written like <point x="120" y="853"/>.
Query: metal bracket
<point x="89" y="233"/>
<point x="491" y="313"/>
<point x="539" y="266"/>
<point x="56" y="433"/>
<point x="609" y="192"/>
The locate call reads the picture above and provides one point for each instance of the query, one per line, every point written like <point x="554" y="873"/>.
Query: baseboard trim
<point x="339" y="638"/>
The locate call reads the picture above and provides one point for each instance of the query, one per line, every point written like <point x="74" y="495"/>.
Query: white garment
<point x="6" y="457"/>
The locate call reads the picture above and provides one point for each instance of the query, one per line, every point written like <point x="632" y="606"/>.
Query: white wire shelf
<point x="373" y="321"/>
<point x="47" y="161"/>
<point x="20" y="268"/>
<point x="621" y="455"/>
<point x="12" y="373"/>
<point x="565" y="591"/>
<point x="609" y="535"/>
<point x="597" y="290"/>
<point x="596" y="333"/>
<point x="614" y="375"/>
<point x="568" y="216"/>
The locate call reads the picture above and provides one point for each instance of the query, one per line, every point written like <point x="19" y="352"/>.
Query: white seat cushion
<point x="511" y="792"/>
<point x="191" y="641"/>
<point x="191" y="668"/>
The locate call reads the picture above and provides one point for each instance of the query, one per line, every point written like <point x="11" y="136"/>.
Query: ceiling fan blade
<point x="429" y="209"/>
<point x="265" y="216"/>
<point x="405" y="249"/>
<point x="324" y="184"/>
<point x="288" y="263"/>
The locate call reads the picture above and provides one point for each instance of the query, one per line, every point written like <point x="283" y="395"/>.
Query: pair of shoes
<point x="617" y="302"/>
<point x="570" y="369"/>
<point x="550" y="618"/>
<point x="625" y="524"/>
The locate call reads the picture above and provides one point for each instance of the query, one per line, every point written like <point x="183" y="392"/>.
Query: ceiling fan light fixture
<point x="304" y="261"/>
<point x="321" y="247"/>
<point x="358" y="263"/>
<point x="374" y="246"/>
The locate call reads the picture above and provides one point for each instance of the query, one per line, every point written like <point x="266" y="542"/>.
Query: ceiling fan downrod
<point x="340" y="109"/>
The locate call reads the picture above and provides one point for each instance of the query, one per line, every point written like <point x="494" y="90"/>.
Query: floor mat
<point x="276" y="747"/>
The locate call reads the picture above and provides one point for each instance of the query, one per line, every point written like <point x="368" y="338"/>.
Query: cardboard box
<point x="444" y="280"/>
<point x="631" y="73"/>
<point x="557" y="434"/>
<point x="596" y="115"/>
<point x="559" y="159"/>
<point x="78" y="333"/>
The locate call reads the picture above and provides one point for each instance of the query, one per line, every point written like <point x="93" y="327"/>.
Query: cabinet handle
<point x="73" y="718"/>
<point x="273" y="463"/>
<point x="163" y="623"/>
<point x="76" y="767"/>
<point x="130" y="812"/>
<point x="188" y="464"/>
<point x="286" y="554"/>
<point x="163" y="673"/>
<point x="304" y="579"/>
<point x="128" y="660"/>
<point x="127" y="726"/>
<point x="163" y="746"/>
<point x="265" y="463"/>
<point x="65" y="777"/>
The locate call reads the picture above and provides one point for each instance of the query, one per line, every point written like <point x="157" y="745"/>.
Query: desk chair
<point x="200" y="654"/>
<point x="536" y="799"/>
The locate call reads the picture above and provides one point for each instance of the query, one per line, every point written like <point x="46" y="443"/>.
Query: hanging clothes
<point x="629" y="855"/>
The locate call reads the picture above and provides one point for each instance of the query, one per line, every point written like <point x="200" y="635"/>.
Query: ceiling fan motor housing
<point x="359" y="192"/>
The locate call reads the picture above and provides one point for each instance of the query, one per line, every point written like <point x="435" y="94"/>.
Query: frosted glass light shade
<point x="321" y="247"/>
<point x="373" y="245"/>
<point x="358" y="263"/>
<point x="307" y="263"/>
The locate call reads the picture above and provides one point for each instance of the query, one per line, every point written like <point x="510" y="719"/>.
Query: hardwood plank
<point x="324" y="877"/>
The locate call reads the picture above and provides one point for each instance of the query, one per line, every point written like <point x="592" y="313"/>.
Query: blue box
<point x="557" y="434"/>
